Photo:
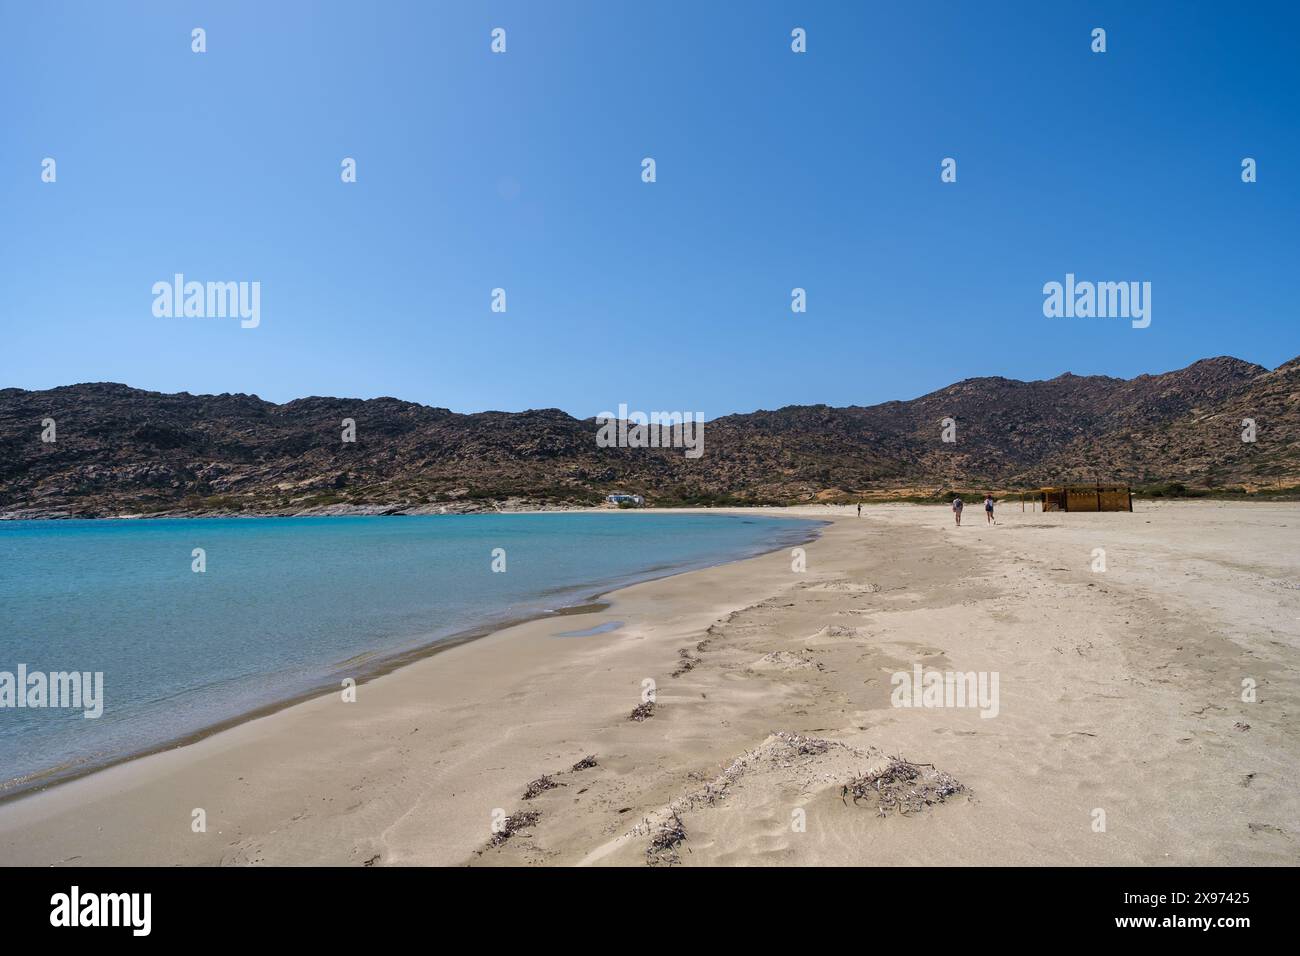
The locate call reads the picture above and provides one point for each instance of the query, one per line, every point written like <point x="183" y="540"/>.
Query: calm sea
<point x="289" y="605"/>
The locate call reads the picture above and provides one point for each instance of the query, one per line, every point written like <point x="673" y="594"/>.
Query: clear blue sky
<point x="522" y="171"/>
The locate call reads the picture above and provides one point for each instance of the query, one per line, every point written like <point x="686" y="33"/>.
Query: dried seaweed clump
<point x="520" y="820"/>
<point x="902" y="786"/>
<point x="686" y="663"/>
<point x="663" y="846"/>
<point x="540" y="786"/>
<point x="802" y="746"/>
<point x="718" y="788"/>
<point x="643" y="711"/>
<point x="586" y="763"/>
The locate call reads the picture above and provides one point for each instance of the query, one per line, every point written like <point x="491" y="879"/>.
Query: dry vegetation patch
<point x="901" y="786"/>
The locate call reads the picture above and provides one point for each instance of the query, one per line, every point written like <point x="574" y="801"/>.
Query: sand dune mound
<point x="786" y="661"/>
<point x="834" y="634"/>
<point x="784" y="762"/>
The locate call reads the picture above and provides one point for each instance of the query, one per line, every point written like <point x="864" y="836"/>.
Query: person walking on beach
<point x="957" y="505"/>
<point x="859" y="509"/>
<point x="988" y="509"/>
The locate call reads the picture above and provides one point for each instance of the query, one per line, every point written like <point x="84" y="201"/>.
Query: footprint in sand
<point x="1266" y="828"/>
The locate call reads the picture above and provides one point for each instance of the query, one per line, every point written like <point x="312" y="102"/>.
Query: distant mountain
<point x="119" y="450"/>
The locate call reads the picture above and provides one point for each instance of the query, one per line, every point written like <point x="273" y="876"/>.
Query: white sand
<point x="1119" y="691"/>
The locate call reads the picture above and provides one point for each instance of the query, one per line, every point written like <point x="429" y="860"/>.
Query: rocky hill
<point x="119" y="450"/>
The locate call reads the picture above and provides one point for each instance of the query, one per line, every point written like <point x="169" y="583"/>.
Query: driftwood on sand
<point x="519" y="820"/>
<point x="685" y="663"/>
<point x="902" y="786"/>
<point x="541" y="785"/>
<point x="668" y="837"/>
<point x="643" y="712"/>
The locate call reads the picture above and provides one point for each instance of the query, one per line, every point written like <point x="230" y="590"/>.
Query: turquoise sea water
<point x="289" y="605"/>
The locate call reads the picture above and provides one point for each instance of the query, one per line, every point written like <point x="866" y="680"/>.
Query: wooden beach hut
<point x="1086" y="498"/>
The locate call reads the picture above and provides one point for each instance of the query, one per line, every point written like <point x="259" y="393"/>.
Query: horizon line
<point x="552" y="408"/>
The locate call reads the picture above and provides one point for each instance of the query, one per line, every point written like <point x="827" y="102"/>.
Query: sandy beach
<point x="1120" y="735"/>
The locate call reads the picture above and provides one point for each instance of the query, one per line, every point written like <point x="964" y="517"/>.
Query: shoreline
<point x="1284" y="495"/>
<point x="378" y="666"/>
<point x="909" y="495"/>
<point x="1118" y="691"/>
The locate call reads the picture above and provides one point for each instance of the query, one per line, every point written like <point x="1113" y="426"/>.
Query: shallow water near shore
<point x="286" y="606"/>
